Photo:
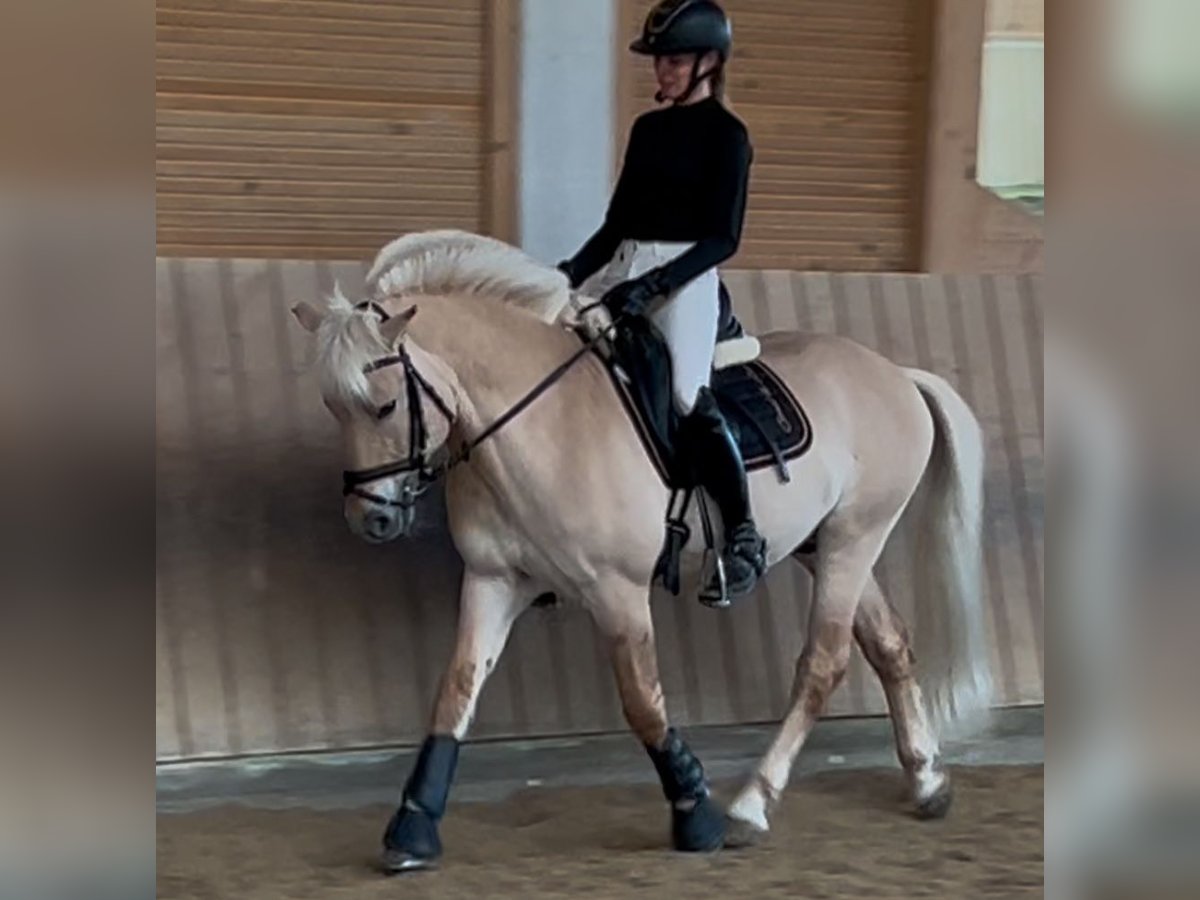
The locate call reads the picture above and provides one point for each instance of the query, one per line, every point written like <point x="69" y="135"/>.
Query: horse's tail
<point x="952" y="652"/>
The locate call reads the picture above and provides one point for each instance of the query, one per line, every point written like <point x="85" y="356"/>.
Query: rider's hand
<point x="595" y="319"/>
<point x="633" y="298"/>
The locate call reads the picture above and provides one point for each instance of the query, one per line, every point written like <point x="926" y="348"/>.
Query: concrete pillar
<point x="567" y="115"/>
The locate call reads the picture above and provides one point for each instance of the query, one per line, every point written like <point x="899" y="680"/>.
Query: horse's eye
<point x="386" y="410"/>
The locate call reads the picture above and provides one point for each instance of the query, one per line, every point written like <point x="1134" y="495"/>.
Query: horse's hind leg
<point x="884" y="641"/>
<point x="845" y="557"/>
<point x="621" y="609"/>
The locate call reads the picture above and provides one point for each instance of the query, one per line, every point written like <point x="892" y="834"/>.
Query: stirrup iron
<point x="713" y="573"/>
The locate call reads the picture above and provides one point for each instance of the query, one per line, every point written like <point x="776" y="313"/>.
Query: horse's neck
<point x="572" y="444"/>
<point x="497" y="354"/>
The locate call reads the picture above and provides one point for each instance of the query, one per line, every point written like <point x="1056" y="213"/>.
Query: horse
<point x="425" y="377"/>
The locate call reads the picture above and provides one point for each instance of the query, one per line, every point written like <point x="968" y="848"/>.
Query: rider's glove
<point x="633" y="297"/>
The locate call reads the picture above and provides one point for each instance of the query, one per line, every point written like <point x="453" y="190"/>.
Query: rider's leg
<point x="728" y="327"/>
<point x="721" y="471"/>
<point x="688" y="324"/>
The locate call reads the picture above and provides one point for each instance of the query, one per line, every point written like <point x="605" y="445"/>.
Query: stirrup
<point x="714" y="586"/>
<point x="715" y="589"/>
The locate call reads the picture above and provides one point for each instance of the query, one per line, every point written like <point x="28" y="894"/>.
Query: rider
<point x="676" y="214"/>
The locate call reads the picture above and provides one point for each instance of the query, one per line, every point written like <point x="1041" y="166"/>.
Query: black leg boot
<point x="697" y="822"/>
<point x="721" y="472"/>
<point x="411" y="840"/>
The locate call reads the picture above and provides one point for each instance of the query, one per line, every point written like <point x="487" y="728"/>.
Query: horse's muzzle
<point x="379" y="525"/>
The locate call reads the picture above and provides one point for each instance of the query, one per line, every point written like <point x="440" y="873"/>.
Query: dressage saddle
<point x="769" y="424"/>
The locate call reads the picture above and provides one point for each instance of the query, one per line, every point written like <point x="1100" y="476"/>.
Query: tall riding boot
<point x="721" y="471"/>
<point x="728" y="326"/>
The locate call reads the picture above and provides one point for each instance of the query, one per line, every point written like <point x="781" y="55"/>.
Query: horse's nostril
<point x="378" y="524"/>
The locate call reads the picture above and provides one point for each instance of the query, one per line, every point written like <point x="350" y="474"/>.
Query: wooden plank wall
<point x="833" y="93"/>
<point x="321" y="128"/>
<point x="278" y="630"/>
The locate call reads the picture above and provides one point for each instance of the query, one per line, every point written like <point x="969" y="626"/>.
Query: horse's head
<point x="396" y="406"/>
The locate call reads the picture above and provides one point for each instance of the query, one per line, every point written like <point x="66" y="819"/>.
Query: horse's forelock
<point x="348" y="341"/>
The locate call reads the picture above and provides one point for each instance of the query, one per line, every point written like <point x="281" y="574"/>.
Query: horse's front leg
<point x="621" y="609"/>
<point x="488" y="607"/>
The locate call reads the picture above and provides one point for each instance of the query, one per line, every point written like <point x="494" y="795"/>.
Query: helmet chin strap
<point x="694" y="82"/>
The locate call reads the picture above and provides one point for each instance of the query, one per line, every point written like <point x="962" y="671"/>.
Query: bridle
<point x="416" y="386"/>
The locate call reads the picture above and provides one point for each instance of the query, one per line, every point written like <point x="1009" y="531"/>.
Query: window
<point x="1011" y="160"/>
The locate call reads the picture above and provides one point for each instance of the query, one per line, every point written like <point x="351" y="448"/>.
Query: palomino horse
<point x="563" y="498"/>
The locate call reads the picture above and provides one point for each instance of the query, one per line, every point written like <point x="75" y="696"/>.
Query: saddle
<point x="769" y="424"/>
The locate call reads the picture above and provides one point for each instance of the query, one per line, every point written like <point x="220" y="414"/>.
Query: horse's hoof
<point x="410" y="842"/>
<point x="700" y="829"/>
<point x="937" y="804"/>
<point x="397" y="862"/>
<point x="739" y="833"/>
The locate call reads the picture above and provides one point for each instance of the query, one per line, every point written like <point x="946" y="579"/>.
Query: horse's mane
<point x="433" y="263"/>
<point x="429" y="263"/>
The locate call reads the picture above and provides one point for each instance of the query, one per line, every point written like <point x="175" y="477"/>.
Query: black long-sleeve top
<point x="684" y="179"/>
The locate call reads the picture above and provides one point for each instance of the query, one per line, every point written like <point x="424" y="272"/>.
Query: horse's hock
<point x="279" y="630"/>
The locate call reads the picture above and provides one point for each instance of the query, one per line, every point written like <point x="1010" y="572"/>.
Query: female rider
<point x="675" y="215"/>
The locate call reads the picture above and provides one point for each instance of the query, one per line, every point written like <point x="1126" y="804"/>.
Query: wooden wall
<point x="833" y="92"/>
<point x="321" y="128"/>
<point x="279" y="630"/>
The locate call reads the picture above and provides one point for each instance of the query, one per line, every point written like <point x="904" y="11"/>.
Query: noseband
<point x="416" y="386"/>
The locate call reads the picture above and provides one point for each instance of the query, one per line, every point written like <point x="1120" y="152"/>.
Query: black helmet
<point x="685" y="26"/>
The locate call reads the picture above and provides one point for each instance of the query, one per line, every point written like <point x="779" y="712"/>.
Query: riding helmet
<point x="685" y="26"/>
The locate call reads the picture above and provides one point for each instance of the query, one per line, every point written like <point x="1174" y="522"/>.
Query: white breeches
<point x="686" y="319"/>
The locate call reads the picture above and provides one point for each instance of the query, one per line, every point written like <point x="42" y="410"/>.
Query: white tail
<point x="952" y="654"/>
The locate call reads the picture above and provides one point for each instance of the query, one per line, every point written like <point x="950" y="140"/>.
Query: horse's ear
<point x="393" y="329"/>
<point x="309" y="316"/>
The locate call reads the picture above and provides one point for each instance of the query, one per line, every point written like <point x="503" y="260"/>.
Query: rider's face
<point x="673" y="72"/>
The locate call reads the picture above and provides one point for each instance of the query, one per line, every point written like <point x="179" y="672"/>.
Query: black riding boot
<point x="721" y="472"/>
<point x="728" y="326"/>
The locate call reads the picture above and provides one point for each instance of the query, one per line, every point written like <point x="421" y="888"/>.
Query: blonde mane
<point x="433" y="263"/>
<point x="428" y="263"/>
